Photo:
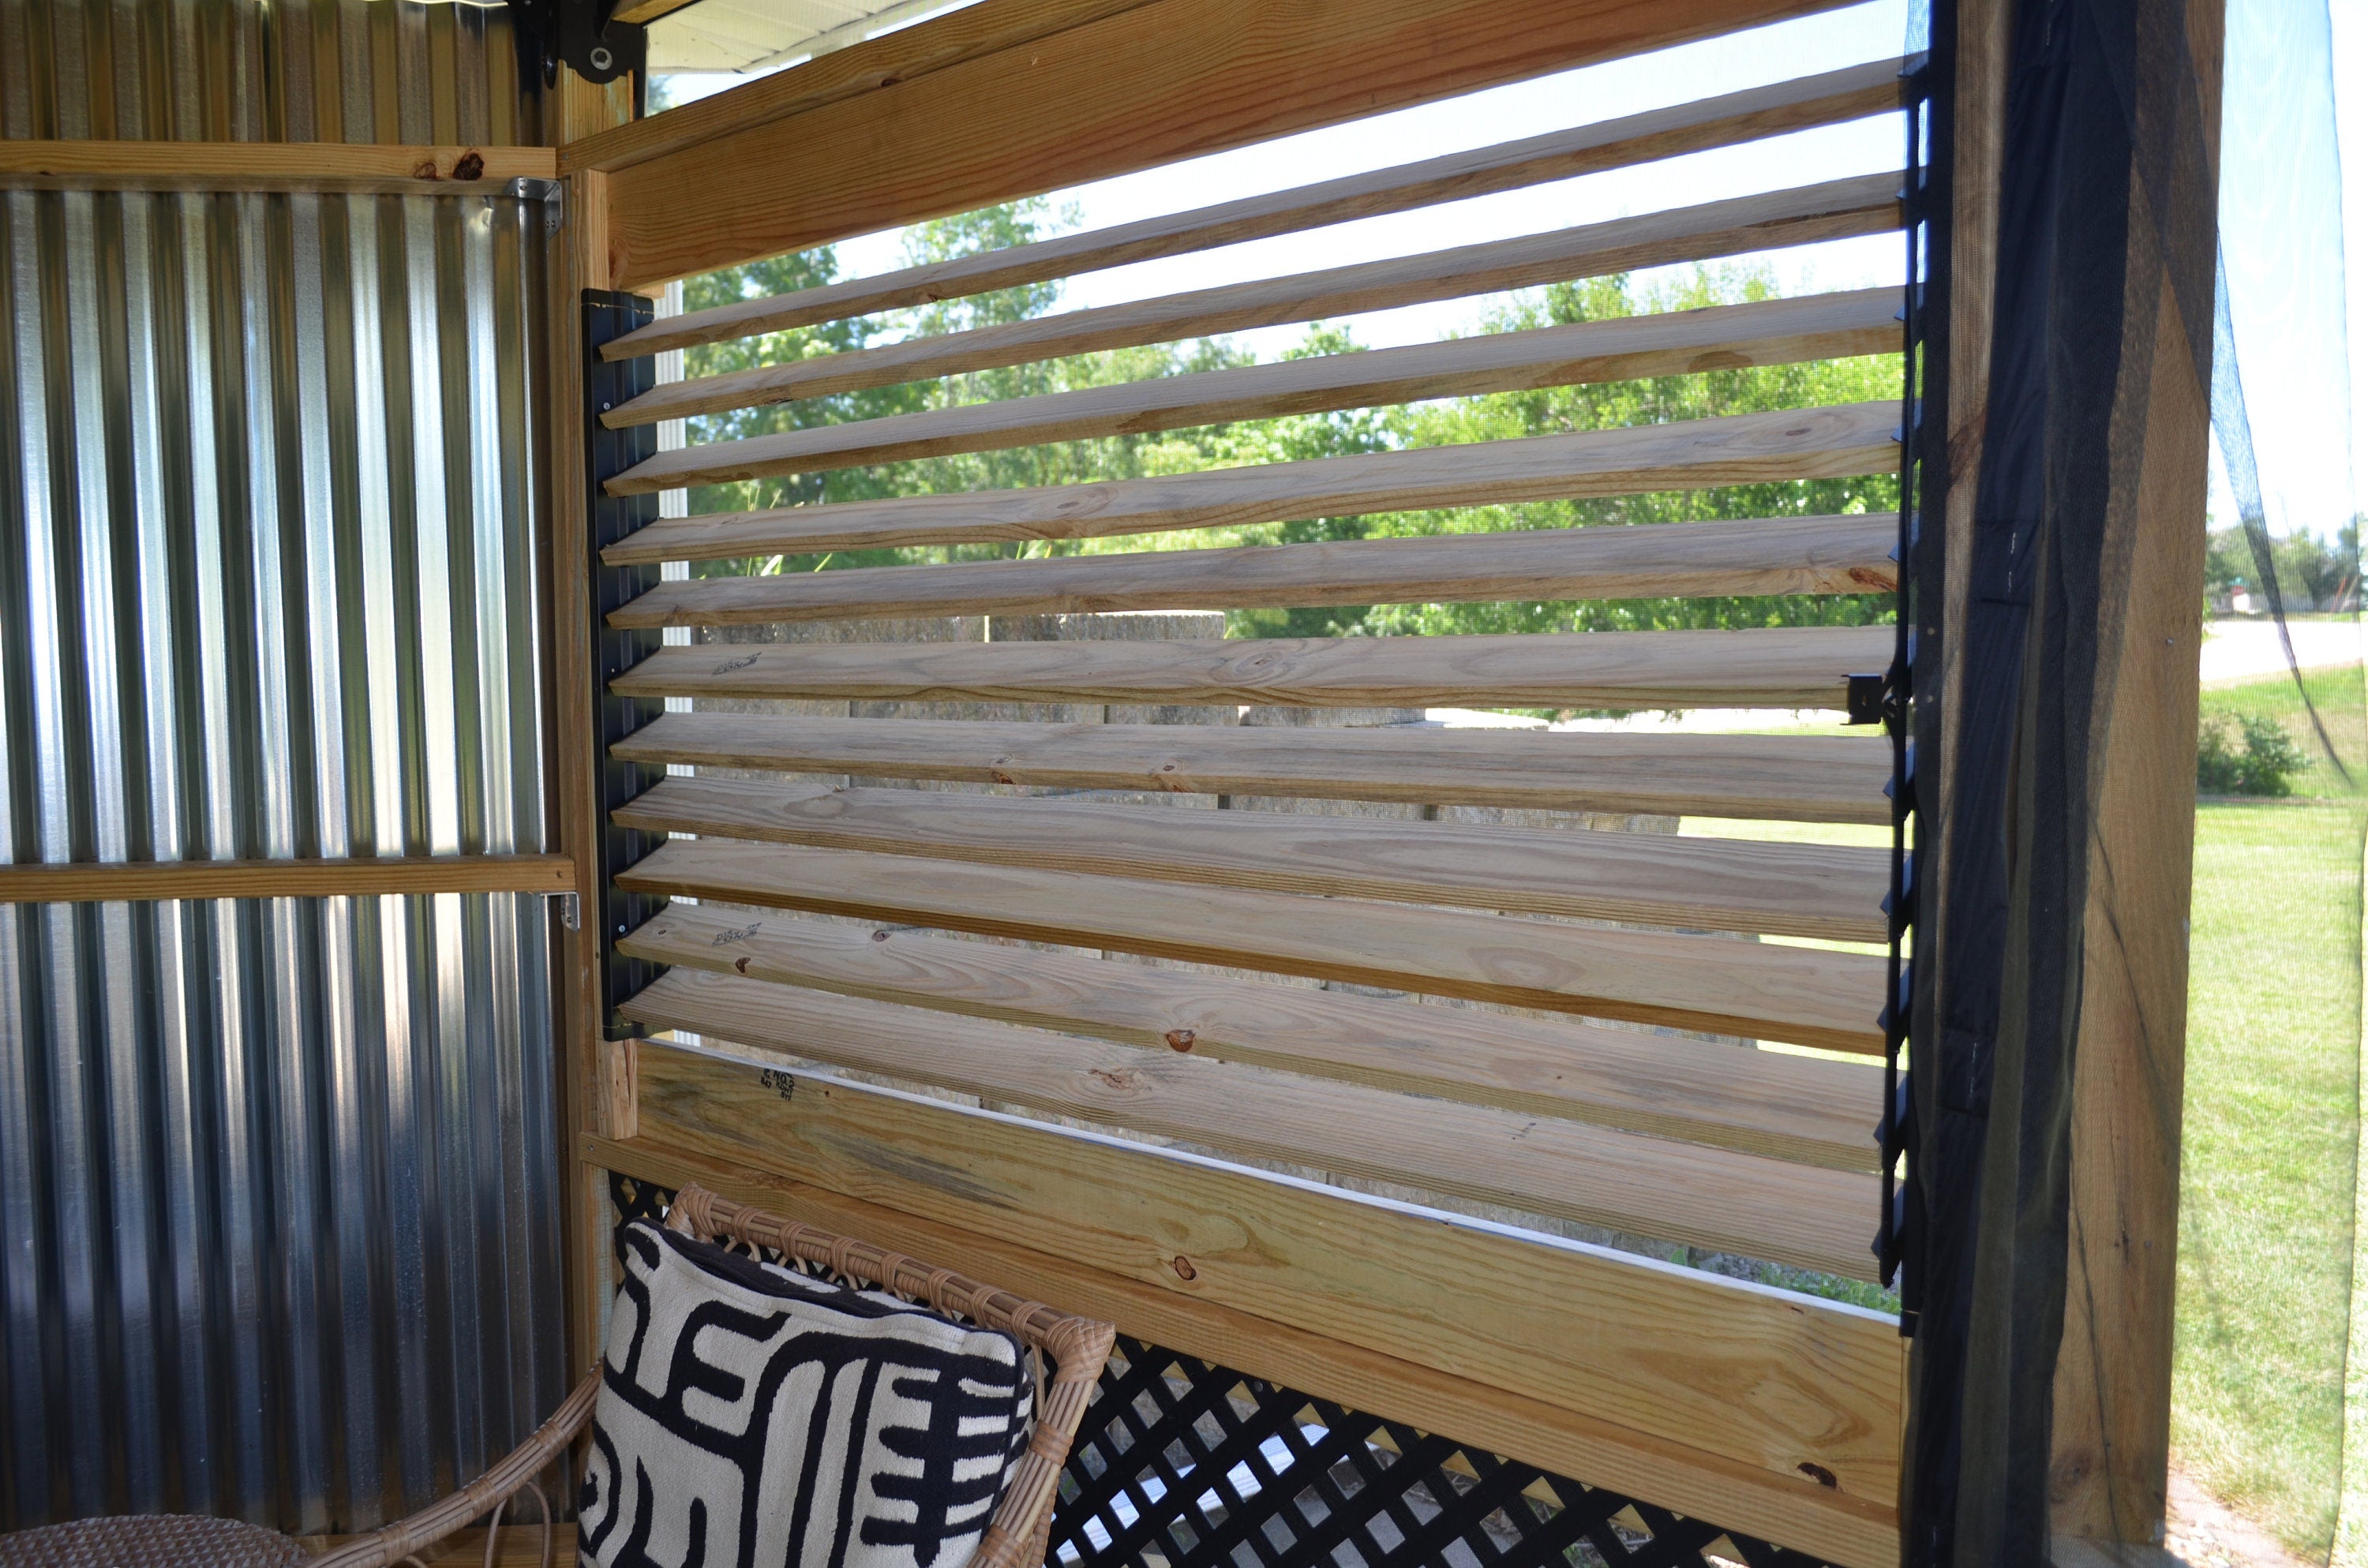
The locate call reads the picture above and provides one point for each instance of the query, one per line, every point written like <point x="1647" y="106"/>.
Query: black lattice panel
<point x="1181" y="1463"/>
<point x="1186" y="1463"/>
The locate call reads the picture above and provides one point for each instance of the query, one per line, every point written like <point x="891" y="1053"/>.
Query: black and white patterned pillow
<point x="754" y="1417"/>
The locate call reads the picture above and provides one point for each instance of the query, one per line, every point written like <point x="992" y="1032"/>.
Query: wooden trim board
<point x="1752" y="1374"/>
<point x="1791" y="1509"/>
<point x="360" y="876"/>
<point x="271" y="165"/>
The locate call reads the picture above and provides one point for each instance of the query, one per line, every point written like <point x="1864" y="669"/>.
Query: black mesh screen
<point x="1183" y="1463"/>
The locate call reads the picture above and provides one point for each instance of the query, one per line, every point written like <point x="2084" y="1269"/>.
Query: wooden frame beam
<point x="1761" y="1380"/>
<point x="1832" y="98"/>
<point x="1841" y="1529"/>
<point x="360" y="876"/>
<point x="271" y="165"/>
<point x="1110" y="88"/>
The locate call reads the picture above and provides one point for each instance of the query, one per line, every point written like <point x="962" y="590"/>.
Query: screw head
<point x="600" y="57"/>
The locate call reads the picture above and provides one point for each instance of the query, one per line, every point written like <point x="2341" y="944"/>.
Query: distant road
<point x="2248" y="650"/>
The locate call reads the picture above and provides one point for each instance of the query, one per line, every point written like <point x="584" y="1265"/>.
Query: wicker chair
<point x="1023" y="1521"/>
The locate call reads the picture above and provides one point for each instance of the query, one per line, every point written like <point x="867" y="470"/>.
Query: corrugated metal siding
<point x="279" y="1203"/>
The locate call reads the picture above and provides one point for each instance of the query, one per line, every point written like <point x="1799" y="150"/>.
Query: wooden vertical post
<point x="2112" y="1442"/>
<point x="597" y="1073"/>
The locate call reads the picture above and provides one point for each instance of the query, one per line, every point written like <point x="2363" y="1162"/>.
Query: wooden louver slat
<point x="1781" y="667"/>
<point x="1794" y="778"/>
<point x="1744" y="448"/>
<point x="1719" y="337"/>
<point x="1863" y="204"/>
<point x="1767" y="555"/>
<point x="1805" y="996"/>
<point x="1806" y="1108"/>
<point x="1833" y="96"/>
<point x="1799" y="890"/>
<point x="1711" y="1198"/>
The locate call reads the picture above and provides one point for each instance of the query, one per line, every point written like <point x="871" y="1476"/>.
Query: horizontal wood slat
<point x="1793" y="778"/>
<point x="358" y="876"/>
<point x="1711" y="1197"/>
<point x="1863" y="204"/>
<point x="1780" y="668"/>
<point x="1810" y="1110"/>
<point x="1829" y="97"/>
<point x="1789" y="1509"/>
<point x="1149" y="85"/>
<point x="1807" y="995"/>
<point x="270" y="165"/>
<point x="1717" y="337"/>
<point x="1712" y="884"/>
<point x="1761" y="1376"/>
<point x="1745" y="448"/>
<point x="1763" y="555"/>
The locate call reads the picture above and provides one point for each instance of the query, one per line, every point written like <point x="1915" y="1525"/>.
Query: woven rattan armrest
<point x="490" y="1492"/>
<point x="1016" y="1538"/>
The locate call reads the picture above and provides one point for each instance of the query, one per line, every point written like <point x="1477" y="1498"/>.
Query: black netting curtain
<point x="2099" y="359"/>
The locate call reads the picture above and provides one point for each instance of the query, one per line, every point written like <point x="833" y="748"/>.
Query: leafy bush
<point x="2265" y="763"/>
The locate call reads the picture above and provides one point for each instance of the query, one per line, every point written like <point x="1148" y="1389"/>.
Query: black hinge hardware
<point x="610" y="383"/>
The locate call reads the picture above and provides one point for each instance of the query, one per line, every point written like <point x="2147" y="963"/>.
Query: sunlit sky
<point x="2281" y="176"/>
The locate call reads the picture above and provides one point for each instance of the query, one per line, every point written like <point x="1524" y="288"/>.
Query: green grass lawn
<point x="2271" y="1133"/>
<point x="2269" y="1148"/>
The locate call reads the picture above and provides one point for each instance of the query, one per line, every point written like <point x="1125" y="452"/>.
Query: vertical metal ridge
<point x="278" y="1178"/>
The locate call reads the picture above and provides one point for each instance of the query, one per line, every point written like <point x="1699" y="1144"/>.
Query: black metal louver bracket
<point x="581" y="34"/>
<point x="1905" y="710"/>
<point x="609" y="384"/>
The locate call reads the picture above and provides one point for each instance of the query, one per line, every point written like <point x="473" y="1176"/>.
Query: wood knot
<point x="1180" y="1040"/>
<point x="425" y="169"/>
<point x="470" y="166"/>
<point x="1184" y="1270"/>
<point x="740" y="964"/>
<point x="1817" y="1473"/>
<point x="879" y="935"/>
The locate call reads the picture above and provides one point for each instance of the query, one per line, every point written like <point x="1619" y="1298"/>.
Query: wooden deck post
<point x="596" y="1075"/>
<point x="2112" y="1379"/>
